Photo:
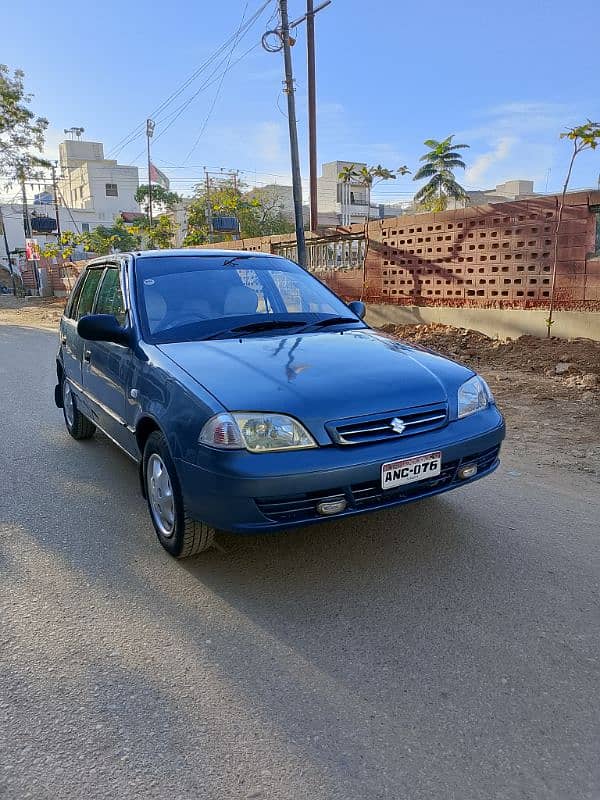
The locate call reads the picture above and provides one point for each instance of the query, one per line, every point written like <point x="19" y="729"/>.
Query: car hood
<point x="319" y="377"/>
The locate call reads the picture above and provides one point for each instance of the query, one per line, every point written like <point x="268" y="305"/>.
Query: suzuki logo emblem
<point x="398" y="425"/>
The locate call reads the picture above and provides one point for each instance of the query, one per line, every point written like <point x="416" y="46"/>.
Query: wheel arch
<point x="144" y="427"/>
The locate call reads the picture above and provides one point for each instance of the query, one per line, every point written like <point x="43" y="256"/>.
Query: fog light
<point x="467" y="471"/>
<point x="328" y="507"/>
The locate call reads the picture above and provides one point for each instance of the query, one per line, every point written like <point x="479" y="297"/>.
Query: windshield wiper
<point x="255" y="327"/>
<point x="323" y="323"/>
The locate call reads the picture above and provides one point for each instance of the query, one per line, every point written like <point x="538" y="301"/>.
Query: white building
<point x="94" y="183"/>
<point x="502" y="193"/>
<point x="77" y="220"/>
<point x="343" y="203"/>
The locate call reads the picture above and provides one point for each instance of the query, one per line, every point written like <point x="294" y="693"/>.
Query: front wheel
<point x="179" y="534"/>
<point x="78" y="426"/>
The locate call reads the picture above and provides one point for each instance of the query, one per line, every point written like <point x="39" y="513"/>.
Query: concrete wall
<point x="497" y="323"/>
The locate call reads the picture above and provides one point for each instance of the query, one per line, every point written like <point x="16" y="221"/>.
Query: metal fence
<point x="325" y="254"/>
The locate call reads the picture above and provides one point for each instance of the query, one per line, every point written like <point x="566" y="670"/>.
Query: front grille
<point x="303" y="507"/>
<point x="365" y="430"/>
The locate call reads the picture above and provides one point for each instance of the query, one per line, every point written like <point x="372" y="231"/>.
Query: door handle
<point x="87" y="355"/>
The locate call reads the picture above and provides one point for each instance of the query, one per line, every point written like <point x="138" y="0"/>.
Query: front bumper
<point x="245" y="493"/>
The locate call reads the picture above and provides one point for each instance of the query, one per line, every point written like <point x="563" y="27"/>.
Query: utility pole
<point x="149" y="134"/>
<point x="208" y="212"/>
<point x="27" y="227"/>
<point x="55" y="193"/>
<point x="294" y="153"/>
<point x="10" y="266"/>
<point x="26" y="221"/>
<point x="312" y="113"/>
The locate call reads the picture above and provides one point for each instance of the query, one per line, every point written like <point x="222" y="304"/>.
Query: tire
<point x="78" y="426"/>
<point x="178" y="533"/>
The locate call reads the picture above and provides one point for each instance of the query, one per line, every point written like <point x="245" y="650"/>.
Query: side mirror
<point x="103" y="328"/>
<point x="358" y="308"/>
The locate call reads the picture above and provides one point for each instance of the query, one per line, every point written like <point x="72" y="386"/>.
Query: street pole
<point x="27" y="229"/>
<point x="149" y="134"/>
<point x="26" y="222"/>
<point x="312" y="113"/>
<point x="294" y="153"/>
<point x="6" y="247"/>
<point x="55" y="193"/>
<point x="208" y="212"/>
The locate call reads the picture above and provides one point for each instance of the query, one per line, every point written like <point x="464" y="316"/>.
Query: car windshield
<point x="186" y="298"/>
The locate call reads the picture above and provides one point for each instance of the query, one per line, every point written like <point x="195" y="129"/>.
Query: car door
<point x="106" y="371"/>
<point x="80" y="304"/>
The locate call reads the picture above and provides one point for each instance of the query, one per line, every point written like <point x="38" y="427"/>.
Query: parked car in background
<point x="254" y="399"/>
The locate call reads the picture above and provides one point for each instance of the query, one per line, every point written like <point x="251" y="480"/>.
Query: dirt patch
<point x="41" y="312"/>
<point x="548" y="390"/>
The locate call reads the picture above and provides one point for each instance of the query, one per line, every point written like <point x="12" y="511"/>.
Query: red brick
<point x="572" y="253"/>
<point x="592" y="293"/>
<point x="592" y="266"/>
<point x="568" y="281"/>
<point x="570" y="267"/>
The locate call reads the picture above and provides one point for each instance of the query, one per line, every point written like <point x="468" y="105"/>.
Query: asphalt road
<point x="446" y="650"/>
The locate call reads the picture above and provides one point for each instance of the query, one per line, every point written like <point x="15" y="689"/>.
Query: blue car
<point x="253" y="399"/>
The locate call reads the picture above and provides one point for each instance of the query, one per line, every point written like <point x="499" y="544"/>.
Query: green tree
<point x="102" y="240"/>
<point x="157" y="236"/>
<point x="161" y="197"/>
<point x="582" y="137"/>
<point x="439" y="165"/>
<point x="21" y="132"/>
<point x="259" y="213"/>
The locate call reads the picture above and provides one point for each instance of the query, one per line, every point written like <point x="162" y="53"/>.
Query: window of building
<point x="85" y="227"/>
<point x="111" y="190"/>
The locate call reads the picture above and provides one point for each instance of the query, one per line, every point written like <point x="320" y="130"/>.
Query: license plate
<point x="409" y="470"/>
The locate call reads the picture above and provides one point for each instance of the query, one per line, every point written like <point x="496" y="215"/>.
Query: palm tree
<point x="440" y="162"/>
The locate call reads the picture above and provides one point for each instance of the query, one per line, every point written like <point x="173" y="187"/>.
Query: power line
<point x="217" y="93"/>
<point x="179" y="111"/>
<point x="139" y="129"/>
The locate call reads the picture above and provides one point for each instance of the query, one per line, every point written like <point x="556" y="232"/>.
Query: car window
<point x="198" y="295"/>
<point x="300" y="296"/>
<point x="110" y="297"/>
<point x="71" y="306"/>
<point x="88" y="292"/>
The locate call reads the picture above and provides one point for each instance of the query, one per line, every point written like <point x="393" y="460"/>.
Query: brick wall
<point x="490" y="256"/>
<point x="62" y="274"/>
<point x="496" y="255"/>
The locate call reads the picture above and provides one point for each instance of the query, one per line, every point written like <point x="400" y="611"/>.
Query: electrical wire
<point x="219" y="87"/>
<point x="179" y="111"/>
<point x="238" y="34"/>
<point x="139" y="129"/>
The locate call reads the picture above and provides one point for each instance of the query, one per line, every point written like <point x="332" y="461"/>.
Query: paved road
<point x="447" y="650"/>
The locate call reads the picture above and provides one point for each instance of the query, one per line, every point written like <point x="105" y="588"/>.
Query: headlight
<point x="257" y="432"/>
<point x="474" y="395"/>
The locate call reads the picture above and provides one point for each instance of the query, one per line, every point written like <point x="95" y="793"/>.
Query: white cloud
<point x="478" y="170"/>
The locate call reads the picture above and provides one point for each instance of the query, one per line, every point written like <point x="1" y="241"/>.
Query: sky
<point x="505" y="78"/>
